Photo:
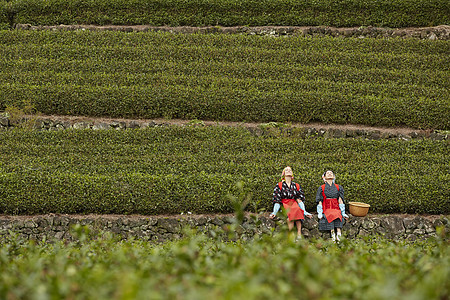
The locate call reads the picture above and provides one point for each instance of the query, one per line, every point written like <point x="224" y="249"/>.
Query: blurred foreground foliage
<point x="200" y="266"/>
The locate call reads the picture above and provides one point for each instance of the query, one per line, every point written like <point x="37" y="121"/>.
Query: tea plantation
<point x="168" y="170"/>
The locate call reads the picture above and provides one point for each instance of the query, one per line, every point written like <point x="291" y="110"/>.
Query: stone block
<point x="393" y="224"/>
<point x="169" y="224"/>
<point x="101" y="126"/>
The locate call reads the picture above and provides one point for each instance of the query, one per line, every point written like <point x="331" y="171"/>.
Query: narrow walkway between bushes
<point x="195" y="122"/>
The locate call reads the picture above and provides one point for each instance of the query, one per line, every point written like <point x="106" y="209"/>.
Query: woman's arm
<point x="341" y="195"/>
<point x="319" y="197"/>
<point x="276" y="201"/>
<point x="300" y="195"/>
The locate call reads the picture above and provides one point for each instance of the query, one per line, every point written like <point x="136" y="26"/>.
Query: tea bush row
<point x="393" y="13"/>
<point x="199" y="267"/>
<point x="172" y="170"/>
<point x="220" y="77"/>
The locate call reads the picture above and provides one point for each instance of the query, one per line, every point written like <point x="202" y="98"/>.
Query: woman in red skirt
<point x="330" y="206"/>
<point x="291" y="196"/>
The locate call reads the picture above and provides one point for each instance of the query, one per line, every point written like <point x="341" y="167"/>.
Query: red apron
<point x="294" y="212"/>
<point x="331" y="208"/>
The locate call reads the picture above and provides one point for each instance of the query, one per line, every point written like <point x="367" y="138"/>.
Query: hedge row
<point x="221" y="77"/>
<point x="179" y="169"/>
<point x="344" y="13"/>
<point x="99" y="266"/>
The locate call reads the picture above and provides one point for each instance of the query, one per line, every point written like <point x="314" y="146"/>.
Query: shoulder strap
<point x="337" y="186"/>
<point x="323" y="192"/>
<point x="298" y="186"/>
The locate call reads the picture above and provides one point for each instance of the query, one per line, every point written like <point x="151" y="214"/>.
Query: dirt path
<point x="441" y="32"/>
<point x="196" y="216"/>
<point x="393" y="130"/>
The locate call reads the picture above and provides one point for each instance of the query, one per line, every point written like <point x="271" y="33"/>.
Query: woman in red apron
<point x="291" y="196"/>
<point x="330" y="206"/>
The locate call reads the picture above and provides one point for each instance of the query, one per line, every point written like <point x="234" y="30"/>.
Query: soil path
<point x="441" y="32"/>
<point x="197" y="216"/>
<point x="393" y="130"/>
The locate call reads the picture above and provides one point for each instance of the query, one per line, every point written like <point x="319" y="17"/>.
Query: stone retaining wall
<point x="159" y="228"/>
<point x="441" y="32"/>
<point x="272" y="128"/>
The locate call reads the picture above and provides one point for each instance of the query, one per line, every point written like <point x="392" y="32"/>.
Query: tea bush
<point x="198" y="267"/>
<point x="393" y="13"/>
<point x="228" y="77"/>
<point x="169" y="170"/>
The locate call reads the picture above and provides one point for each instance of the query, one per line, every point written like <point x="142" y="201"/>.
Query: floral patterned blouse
<point x="287" y="192"/>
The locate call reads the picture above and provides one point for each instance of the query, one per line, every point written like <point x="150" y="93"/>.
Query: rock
<point x="437" y="136"/>
<point x="158" y="228"/>
<point x="419" y="231"/>
<point x="201" y="221"/>
<point x="30" y="224"/>
<point x="351" y="133"/>
<point x="393" y="225"/>
<point x="374" y="134"/>
<point x="169" y="224"/>
<point x="414" y="135"/>
<point x="42" y="222"/>
<point x="118" y="125"/>
<point x="353" y="222"/>
<point x="410" y="224"/>
<point x="4" y="121"/>
<point x="134" y="125"/>
<point x="363" y="232"/>
<point x="412" y="237"/>
<point x="86" y="221"/>
<point x="310" y="223"/>
<point x="65" y="221"/>
<point x="59" y="235"/>
<point x="368" y="224"/>
<point x="22" y="26"/>
<point x="439" y="223"/>
<point x="432" y="36"/>
<point x="314" y="232"/>
<point x="334" y="133"/>
<point x="80" y="125"/>
<point x="351" y="232"/>
<point x="382" y="231"/>
<point x="312" y="132"/>
<point x="427" y="225"/>
<point x="305" y="232"/>
<point x="101" y="126"/>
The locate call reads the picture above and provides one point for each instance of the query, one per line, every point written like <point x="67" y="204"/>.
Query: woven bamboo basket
<point x="358" y="209"/>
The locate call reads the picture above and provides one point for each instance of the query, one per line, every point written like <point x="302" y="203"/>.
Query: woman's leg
<point x="299" y="227"/>
<point x="290" y="224"/>
<point x="333" y="235"/>
<point x="338" y="234"/>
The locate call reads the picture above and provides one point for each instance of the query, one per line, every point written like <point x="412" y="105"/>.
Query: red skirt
<point x="294" y="212"/>
<point x="331" y="209"/>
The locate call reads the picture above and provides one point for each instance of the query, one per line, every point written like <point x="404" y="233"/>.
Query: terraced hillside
<point x="369" y="102"/>
<point x="274" y="80"/>
<point x="381" y="82"/>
